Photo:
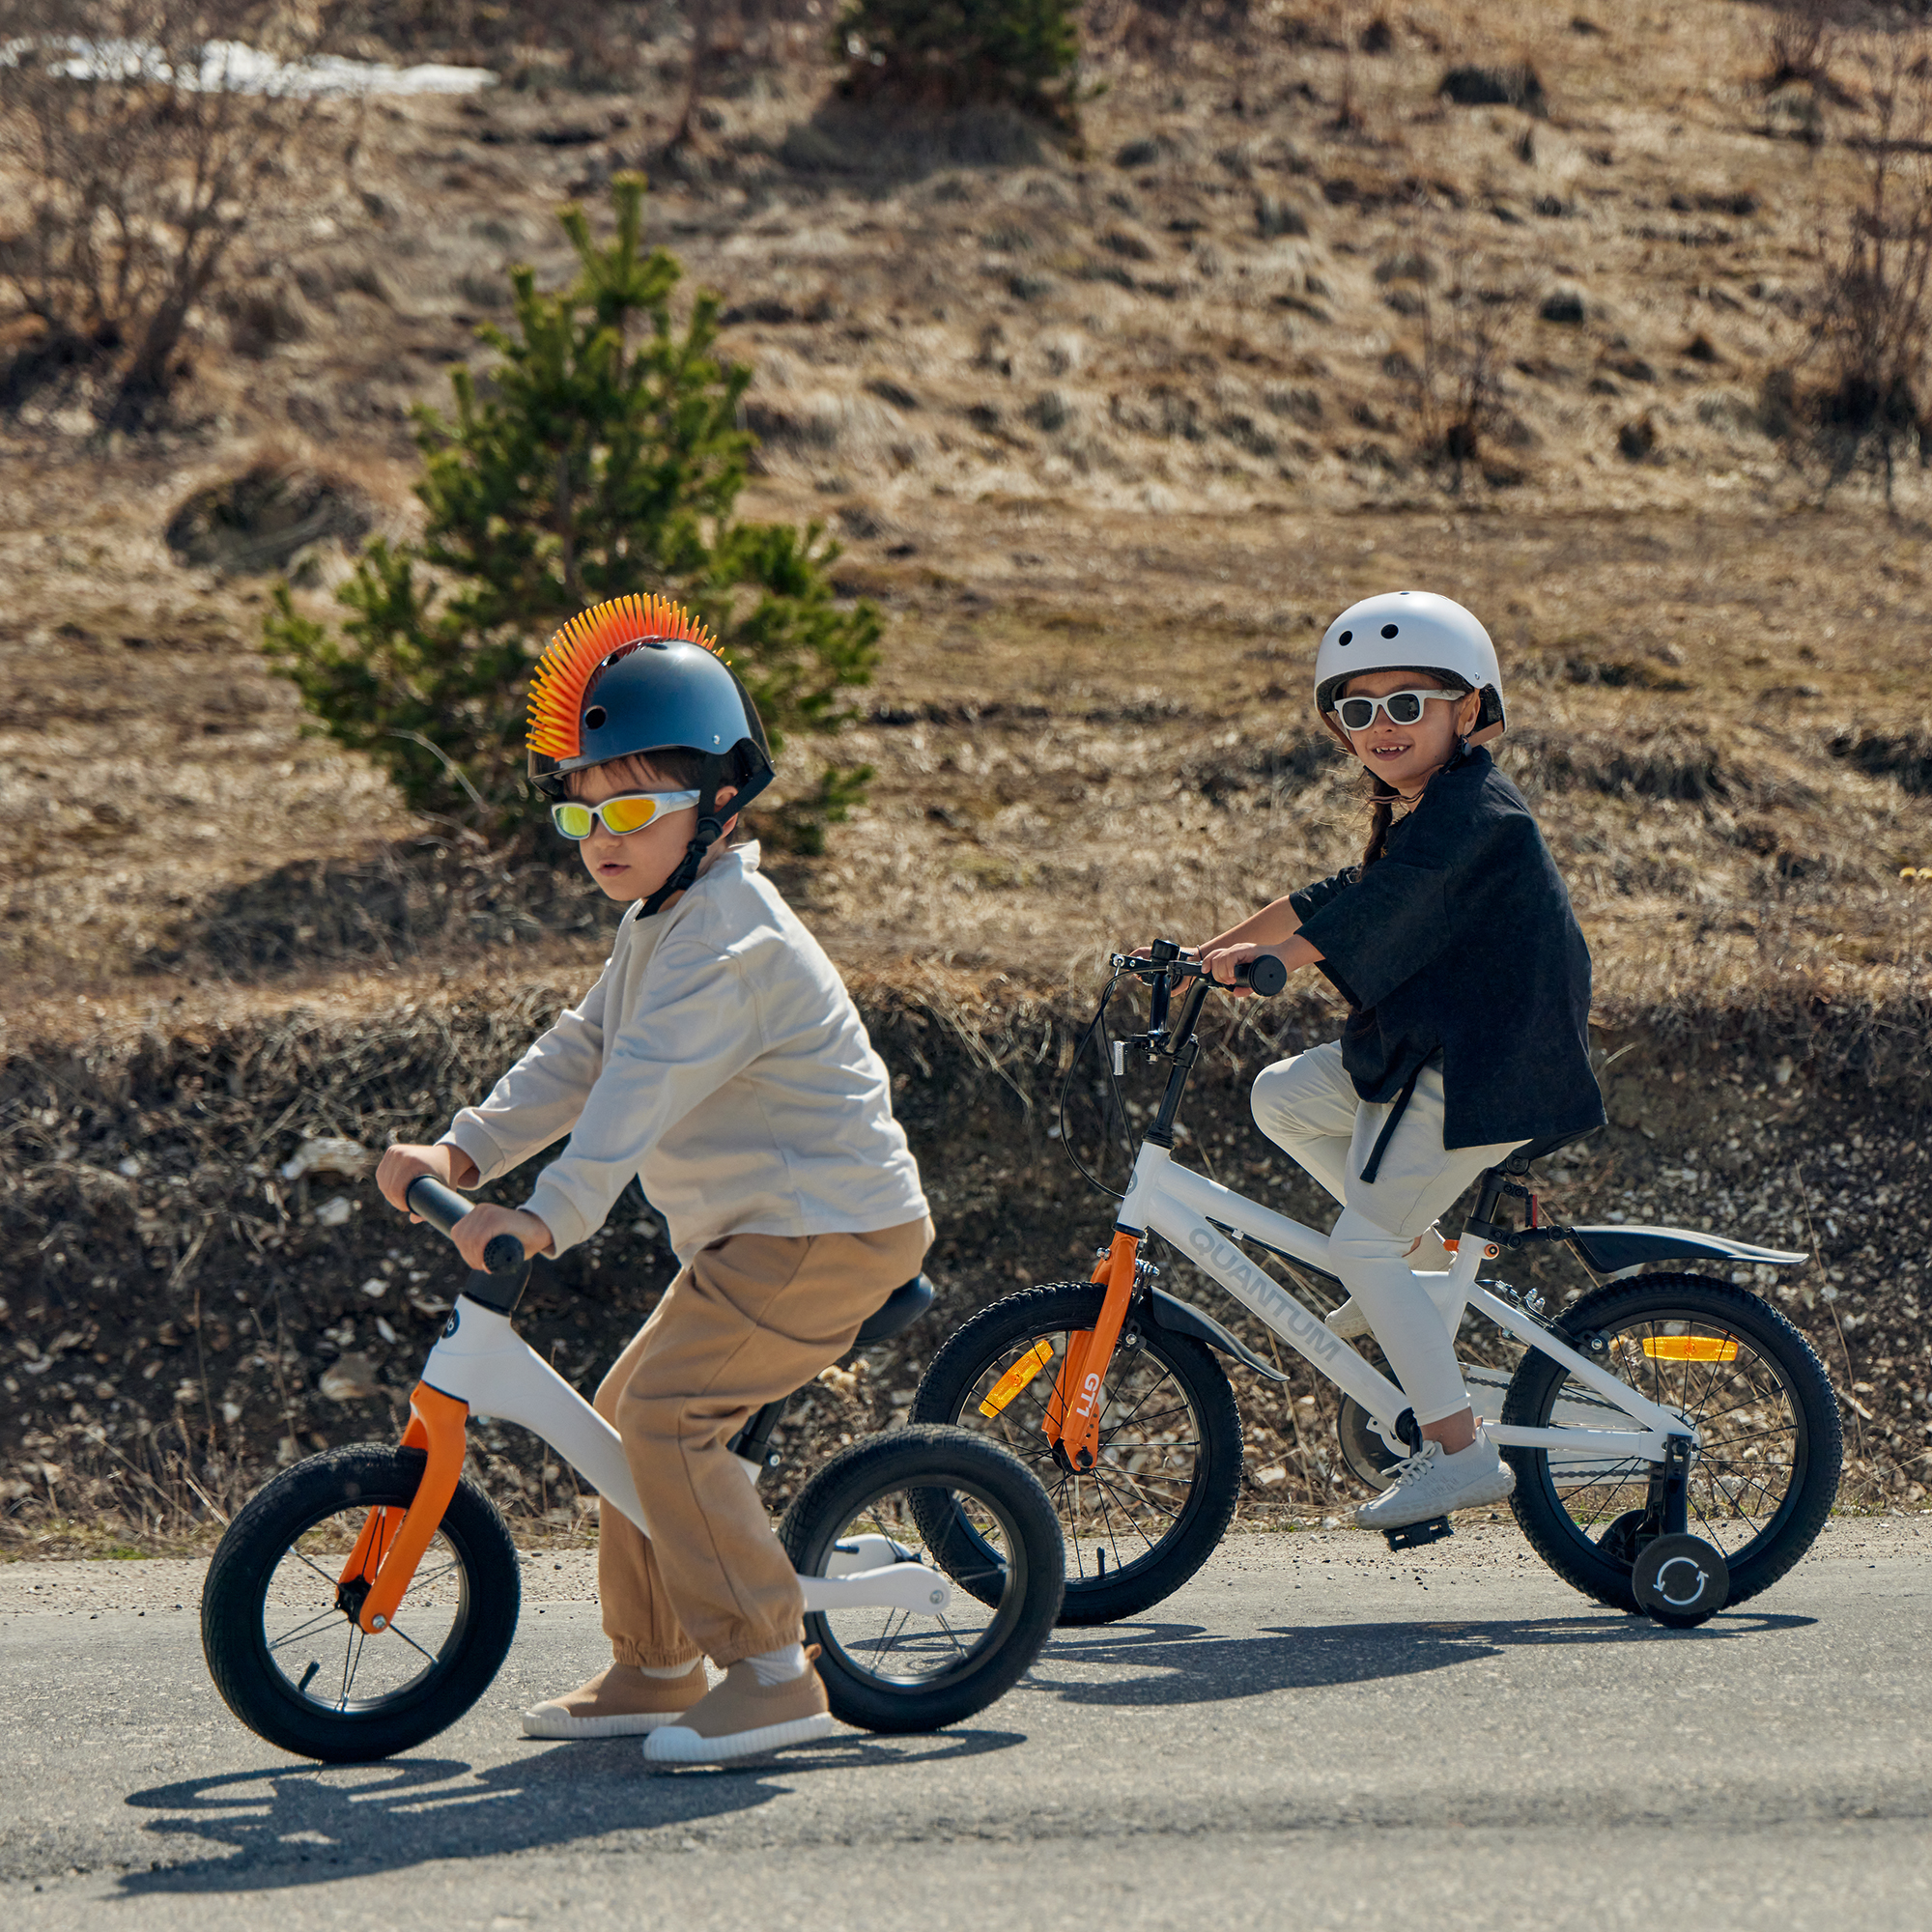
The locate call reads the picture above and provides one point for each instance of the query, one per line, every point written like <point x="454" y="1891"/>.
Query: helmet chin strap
<point x="710" y="829"/>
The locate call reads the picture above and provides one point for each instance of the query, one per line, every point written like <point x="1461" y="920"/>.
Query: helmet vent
<point x="1346" y="637"/>
<point x="1389" y="629"/>
<point x="593" y="719"/>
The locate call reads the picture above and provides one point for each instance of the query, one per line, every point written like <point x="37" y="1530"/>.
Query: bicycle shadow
<point x="1187" y="1663"/>
<point x="289" y="1825"/>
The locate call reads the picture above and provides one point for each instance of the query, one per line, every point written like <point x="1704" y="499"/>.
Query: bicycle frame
<point x="1191" y="1212"/>
<point x="1197" y="1215"/>
<point x="482" y="1364"/>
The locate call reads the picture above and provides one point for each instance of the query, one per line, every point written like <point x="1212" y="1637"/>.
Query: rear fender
<point x="1612" y="1250"/>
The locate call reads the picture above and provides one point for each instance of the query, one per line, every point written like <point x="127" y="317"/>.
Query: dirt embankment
<point x="182" y="1315"/>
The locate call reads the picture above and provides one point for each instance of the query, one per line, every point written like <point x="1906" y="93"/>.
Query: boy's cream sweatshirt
<point x="720" y="1058"/>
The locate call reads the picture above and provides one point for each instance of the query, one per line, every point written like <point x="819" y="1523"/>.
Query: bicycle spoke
<point x="1123" y="1478"/>
<point x="329" y="1616"/>
<point x="396" y="1629"/>
<point x="1132" y="1524"/>
<point x="334" y="1582"/>
<point x="351" y="1658"/>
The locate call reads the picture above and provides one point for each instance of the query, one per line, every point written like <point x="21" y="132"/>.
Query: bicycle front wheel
<point x="278" y="1626"/>
<point x="1160" y="1495"/>
<point x="1765" y="1474"/>
<point x="963" y="1506"/>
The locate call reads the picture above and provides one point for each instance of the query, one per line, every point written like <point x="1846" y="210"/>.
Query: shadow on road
<point x="1185" y="1663"/>
<point x="289" y="1825"/>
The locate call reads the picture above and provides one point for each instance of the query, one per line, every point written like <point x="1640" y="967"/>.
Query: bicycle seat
<point x="900" y="1309"/>
<point x="1520" y="1161"/>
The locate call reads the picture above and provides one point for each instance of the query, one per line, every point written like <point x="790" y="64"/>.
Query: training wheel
<point x="1619" y="1542"/>
<point x="1679" y="1581"/>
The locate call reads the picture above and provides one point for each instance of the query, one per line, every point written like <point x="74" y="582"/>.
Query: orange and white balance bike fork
<point x="481" y="1364"/>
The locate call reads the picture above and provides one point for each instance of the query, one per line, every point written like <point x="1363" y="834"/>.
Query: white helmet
<point x="1411" y="630"/>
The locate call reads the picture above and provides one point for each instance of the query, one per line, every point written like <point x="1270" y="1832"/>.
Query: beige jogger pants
<point x="748" y="1319"/>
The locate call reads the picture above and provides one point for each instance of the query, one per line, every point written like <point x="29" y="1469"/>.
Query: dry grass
<point x="1111" y="455"/>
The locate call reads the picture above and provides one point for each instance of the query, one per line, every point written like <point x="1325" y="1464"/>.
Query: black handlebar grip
<point x="1263" y="974"/>
<point x="440" y="1206"/>
<point x="503" y="1254"/>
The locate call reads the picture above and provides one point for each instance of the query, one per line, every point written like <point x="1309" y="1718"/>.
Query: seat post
<point x="1489" y="1197"/>
<point x="753" y="1441"/>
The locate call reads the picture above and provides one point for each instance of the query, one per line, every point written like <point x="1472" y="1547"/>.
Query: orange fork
<point x="1073" y="1416"/>
<point x="392" y="1541"/>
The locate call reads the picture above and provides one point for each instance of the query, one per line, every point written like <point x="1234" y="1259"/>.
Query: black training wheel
<point x="1760" y="1487"/>
<point x="963" y="1506"/>
<point x="1679" y="1581"/>
<point x="283" y="1647"/>
<point x="1145" y="1518"/>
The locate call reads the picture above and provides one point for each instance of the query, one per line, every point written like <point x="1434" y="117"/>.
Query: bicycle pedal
<point x="1418" y="1535"/>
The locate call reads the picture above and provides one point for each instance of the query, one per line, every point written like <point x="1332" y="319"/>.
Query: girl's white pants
<point x="1308" y="1106"/>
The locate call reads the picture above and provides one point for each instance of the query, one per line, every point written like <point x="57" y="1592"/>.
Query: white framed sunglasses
<point x="1401" y="707"/>
<point x="629" y="811"/>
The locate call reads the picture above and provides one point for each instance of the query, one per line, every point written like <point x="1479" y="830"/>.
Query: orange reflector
<point x="1016" y="1378"/>
<point x="1690" y="1349"/>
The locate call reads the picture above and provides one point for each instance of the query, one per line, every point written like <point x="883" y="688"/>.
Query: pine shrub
<point x="600" y="456"/>
<point x="956" y="51"/>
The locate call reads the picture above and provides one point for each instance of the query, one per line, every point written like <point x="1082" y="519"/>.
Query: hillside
<point x="1109" y="431"/>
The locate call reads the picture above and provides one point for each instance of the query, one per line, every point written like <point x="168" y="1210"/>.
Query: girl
<point x="1468" y="988"/>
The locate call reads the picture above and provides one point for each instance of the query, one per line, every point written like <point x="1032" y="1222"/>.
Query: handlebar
<point x="443" y="1207"/>
<point x="1263" y="974"/>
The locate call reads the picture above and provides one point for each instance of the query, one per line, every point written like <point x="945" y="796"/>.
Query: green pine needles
<point x="955" y="51"/>
<point x="602" y="455"/>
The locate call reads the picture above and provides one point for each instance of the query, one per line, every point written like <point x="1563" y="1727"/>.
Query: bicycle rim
<point x="1120" y="1517"/>
<point x="320" y="1658"/>
<point x="1746" y="1479"/>
<point x="978" y="1542"/>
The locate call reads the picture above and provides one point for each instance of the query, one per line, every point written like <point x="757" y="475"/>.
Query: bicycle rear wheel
<point x="963" y="1506"/>
<point x="1149" y="1514"/>
<point x="278" y="1619"/>
<point x="1766" y="1475"/>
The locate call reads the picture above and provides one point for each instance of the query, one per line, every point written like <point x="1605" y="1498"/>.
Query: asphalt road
<point x="1311" y="1734"/>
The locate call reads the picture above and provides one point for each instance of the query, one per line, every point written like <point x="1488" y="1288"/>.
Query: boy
<point x="720" y="1059"/>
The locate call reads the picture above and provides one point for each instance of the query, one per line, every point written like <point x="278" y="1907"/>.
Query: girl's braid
<point x="1381" y="815"/>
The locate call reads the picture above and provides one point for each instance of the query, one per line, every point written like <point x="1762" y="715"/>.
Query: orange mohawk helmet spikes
<point x="571" y="658"/>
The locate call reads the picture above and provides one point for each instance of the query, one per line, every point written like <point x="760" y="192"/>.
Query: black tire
<point x="268" y="1601"/>
<point x="1173" y="1520"/>
<point x="1760" y="1488"/>
<point x="889" y="1670"/>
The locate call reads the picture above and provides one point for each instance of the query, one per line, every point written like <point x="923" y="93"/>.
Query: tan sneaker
<point x="618" y="1702"/>
<point x="743" y="1717"/>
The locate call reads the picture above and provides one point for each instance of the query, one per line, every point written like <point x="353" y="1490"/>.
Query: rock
<point x="350" y="1159"/>
<point x="375" y="1288"/>
<point x="349" y="1378"/>
<point x="335" y="1212"/>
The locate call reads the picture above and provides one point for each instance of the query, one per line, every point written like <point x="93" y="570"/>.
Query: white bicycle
<point x="363" y="1600"/>
<point x="1675" y="1439"/>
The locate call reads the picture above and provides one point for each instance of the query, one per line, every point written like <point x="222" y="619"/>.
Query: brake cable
<point x="1099" y="1023"/>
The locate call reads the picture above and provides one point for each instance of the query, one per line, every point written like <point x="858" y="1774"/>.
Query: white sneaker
<point x="1430" y="1483"/>
<point x="1434" y="1256"/>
